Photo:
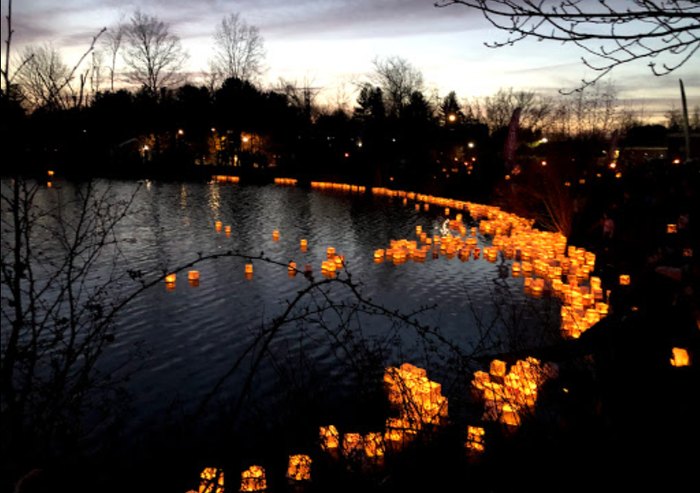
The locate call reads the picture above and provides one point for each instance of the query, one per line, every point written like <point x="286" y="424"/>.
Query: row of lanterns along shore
<point x="507" y="394"/>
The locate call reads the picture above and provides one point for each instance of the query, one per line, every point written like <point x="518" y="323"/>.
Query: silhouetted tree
<point x="238" y="49"/>
<point x="398" y="79"/>
<point x="112" y="43"/>
<point x="609" y="33"/>
<point x="450" y="111"/>
<point x="154" y="55"/>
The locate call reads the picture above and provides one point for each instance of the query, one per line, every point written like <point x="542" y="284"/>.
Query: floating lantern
<point x="212" y="480"/>
<point x="680" y="357"/>
<point x="299" y="468"/>
<point x="330" y="252"/>
<point x="419" y="230"/>
<point x="374" y="445"/>
<point x="625" y="280"/>
<point x="379" y="254"/>
<point x="303" y="244"/>
<point x="227" y="230"/>
<point x="170" y="281"/>
<point x="671" y="228"/>
<point x="217" y="226"/>
<point x="275" y="235"/>
<point x="193" y="278"/>
<point x="329" y="437"/>
<point x="352" y="444"/>
<point x="50" y="172"/>
<point x="248" y="271"/>
<point x="49" y="184"/>
<point x="253" y="479"/>
<point x="497" y="368"/>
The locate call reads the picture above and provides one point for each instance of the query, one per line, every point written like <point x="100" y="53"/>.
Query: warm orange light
<point x="303" y="244"/>
<point x="275" y="235"/>
<point x="212" y="480"/>
<point x="475" y="438"/>
<point x="193" y="275"/>
<point x="672" y="228"/>
<point x="253" y="479"/>
<point x="497" y="368"/>
<point x="329" y="437"/>
<point x="625" y="280"/>
<point x="50" y="172"/>
<point x="299" y="468"/>
<point x="49" y="184"/>
<point x="680" y="357"/>
<point x="249" y="269"/>
<point x="227" y="230"/>
<point x="170" y="278"/>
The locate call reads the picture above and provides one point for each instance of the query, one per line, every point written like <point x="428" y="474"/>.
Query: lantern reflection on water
<point x="475" y="439"/>
<point x="253" y="479"/>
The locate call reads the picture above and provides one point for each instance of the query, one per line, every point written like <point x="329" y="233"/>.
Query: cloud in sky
<point x="333" y="41"/>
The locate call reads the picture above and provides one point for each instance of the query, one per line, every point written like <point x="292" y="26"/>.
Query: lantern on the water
<point x="249" y="271"/>
<point x="253" y="479"/>
<point x="680" y="357"/>
<point x="299" y="468"/>
<point x="218" y="225"/>
<point x="374" y="445"/>
<point x="50" y="172"/>
<point x="212" y="480"/>
<point x="193" y="278"/>
<point x="170" y="281"/>
<point x="275" y="235"/>
<point x="671" y="228"/>
<point x="303" y="244"/>
<point x="625" y="280"/>
<point x="329" y="437"/>
<point x="352" y="444"/>
<point x="227" y="230"/>
<point x="497" y="368"/>
<point x="330" y="252"/>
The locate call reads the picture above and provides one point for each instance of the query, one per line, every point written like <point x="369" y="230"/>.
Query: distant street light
<point x="452" y="118"/>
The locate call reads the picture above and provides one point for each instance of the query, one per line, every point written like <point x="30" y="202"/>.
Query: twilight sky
<point x="330" y="44"/>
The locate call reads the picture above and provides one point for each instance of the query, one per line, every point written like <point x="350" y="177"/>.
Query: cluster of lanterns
<point x="509" y="394"/>
<point x="343" y="187"/>
<point x="286" y="181"/>
<point x="226" y="179"/>
<point x="542" y="258"/>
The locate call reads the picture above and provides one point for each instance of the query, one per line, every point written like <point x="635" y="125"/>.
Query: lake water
<point x="177" y="344"/>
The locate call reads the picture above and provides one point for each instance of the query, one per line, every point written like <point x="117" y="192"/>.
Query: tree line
<point x="127" y="102"/>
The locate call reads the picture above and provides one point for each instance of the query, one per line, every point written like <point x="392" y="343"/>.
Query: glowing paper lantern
<point x="212" y="480"/>
<point x="303" y="244"/>
<point x="625" y="280"/>
<point x="170" y="281"/>
<point x="218" y="225"/>
<point x="253" y="479"/>
<point x="193" y="278"/>
<point x="497" y="368"/>
<point x="374" y="445"/>
<point x="299" y="468"/>
<point x="671" y="228"/>
<point x="680" y="357"/>
<point x="275" y="235"/>
<point x="50" y="172"/>
<point x="227" y="230"/>
<point x="248" y="271"/>
<point x="329" y="437"/>
<point x="352" y="444"/>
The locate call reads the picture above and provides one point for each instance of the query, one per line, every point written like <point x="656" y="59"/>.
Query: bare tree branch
<point x="609" y="34"/>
